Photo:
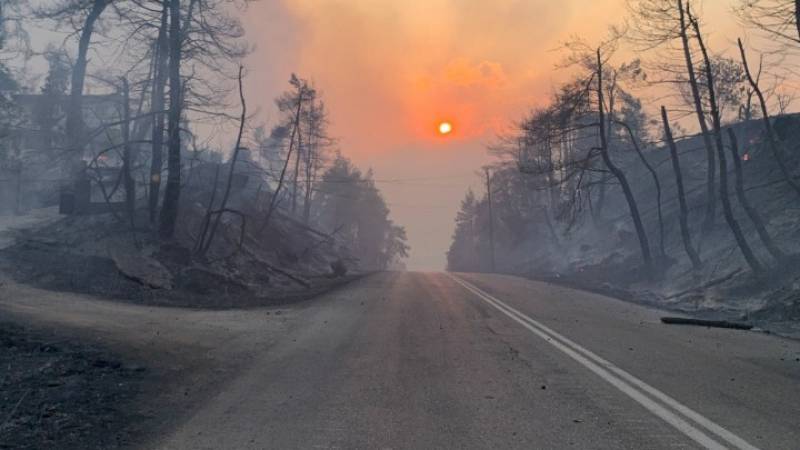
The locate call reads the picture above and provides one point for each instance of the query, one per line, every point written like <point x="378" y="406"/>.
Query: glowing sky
<point x="392" y="70"/>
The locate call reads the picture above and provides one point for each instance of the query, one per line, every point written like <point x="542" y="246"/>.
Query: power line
<point x="396" y="180"/>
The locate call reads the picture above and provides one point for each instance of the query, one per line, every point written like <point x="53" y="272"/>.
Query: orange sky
<point x="390" y="70"/>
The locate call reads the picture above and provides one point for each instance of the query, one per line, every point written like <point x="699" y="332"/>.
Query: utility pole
<point x="491" y="219"/>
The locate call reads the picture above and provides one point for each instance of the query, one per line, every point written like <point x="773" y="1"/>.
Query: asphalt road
<point x="428" y="361"/>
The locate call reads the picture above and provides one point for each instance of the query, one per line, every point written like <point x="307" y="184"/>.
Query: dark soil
<point x="58" y="394"/>
<point x="53" y="268"/>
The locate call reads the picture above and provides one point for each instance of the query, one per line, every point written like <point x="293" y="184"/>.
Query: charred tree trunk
<point x="644" y="244"/>
<point x="752" y="213"/>
<point x="711" y="196"/>
<point x="298" y="156"/>
<point x="201" y="238"/>
<point x="156" y="106"/>
<point x="741" y="241"/>
<point x="169" y="211"/>
<point x="232" y="171"/>
<point x="127" y="175"/>
<point x="140" y="128"/>
<point x="601" y="197"/>
<point x="74" y="115"/>
<point x="656" y="182"/>
<point x="492" y="254"/>
<point x="274" y="200"/>
<point x="310" y="159"/>
<point x="684" y="210"/>
<point x="797" y="16"/>
<point x="2" y="30"/>
<point x="773" y="144"/>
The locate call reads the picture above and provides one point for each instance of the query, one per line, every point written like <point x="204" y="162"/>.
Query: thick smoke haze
<point x="390" y="70"/>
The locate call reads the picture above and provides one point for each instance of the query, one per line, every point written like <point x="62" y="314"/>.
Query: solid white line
<point x="617" y="378"/>
<point x="689" y="413"/>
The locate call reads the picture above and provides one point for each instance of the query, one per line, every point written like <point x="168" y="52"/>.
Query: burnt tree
<point x="711" y="199"/>
<point x="752" y="213"/>
<point x="644" y="244"/>
<point x="741" y="241"/>
<point x="686" y="235"/>
<point x="765" y="118"/>
<point x="160" y="69"/>
<point x="169" y="211"/>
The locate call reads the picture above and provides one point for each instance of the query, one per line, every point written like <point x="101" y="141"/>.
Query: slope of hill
<point x="601" y="251"/>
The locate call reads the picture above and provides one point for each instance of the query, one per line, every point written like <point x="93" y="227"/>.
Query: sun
<point x="445" y="128"/>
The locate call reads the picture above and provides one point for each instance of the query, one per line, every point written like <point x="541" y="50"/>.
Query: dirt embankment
<point x="770" y="302"/>
<point x="87" y="362"/>
<point x="99" y="256"/>
<point x="53" y="267"/>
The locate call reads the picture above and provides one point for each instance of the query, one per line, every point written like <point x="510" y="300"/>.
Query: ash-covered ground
<point x="58" y="393"/>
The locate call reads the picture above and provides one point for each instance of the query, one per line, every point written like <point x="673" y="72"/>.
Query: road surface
<point x="430" y="361"/>
<point x="417" y="361"/>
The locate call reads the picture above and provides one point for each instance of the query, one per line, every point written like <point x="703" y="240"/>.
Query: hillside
<point x="601" y="252"/>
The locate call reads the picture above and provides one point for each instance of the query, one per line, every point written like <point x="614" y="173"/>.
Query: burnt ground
<point x="730" y="294"/>
<point x="86" y="363"/>
<point x="53" y="267"/>
<point x="99" y="373"/>
<point x="601" y="253"/>
<point x="59" y="393"/>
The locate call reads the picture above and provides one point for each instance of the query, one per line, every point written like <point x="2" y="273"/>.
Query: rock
<point x="141" y="268"/>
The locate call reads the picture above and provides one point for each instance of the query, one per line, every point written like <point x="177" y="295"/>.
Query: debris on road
<point x="706" y="323"/>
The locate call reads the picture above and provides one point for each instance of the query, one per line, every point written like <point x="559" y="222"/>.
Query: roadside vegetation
<point x="134" y="168"/>
<point x="137" y="126"/>
<point x="663" y="171"/>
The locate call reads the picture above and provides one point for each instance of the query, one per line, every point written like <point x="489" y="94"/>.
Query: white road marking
<point x="621" y="379"/>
